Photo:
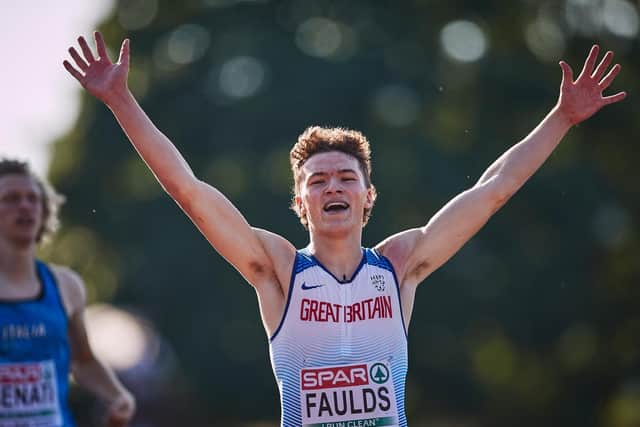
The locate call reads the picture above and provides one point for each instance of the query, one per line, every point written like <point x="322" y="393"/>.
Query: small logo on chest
<point x="23" y="331"/>
<point x="306" y="287"/>
<point x="377" y="280"/>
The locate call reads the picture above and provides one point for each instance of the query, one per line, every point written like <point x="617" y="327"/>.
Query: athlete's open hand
<point x="98" y="75"/>
<point x="121" y="411"/>
<point x="582" y="98"/>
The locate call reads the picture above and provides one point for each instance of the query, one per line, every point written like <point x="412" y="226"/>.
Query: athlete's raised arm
<point x="249" y="250"/>
<point x="418" y="252"/>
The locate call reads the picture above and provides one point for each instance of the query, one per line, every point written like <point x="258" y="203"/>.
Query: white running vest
<point x="340" y="352"/>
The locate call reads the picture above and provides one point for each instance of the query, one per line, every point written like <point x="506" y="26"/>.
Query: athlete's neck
<point x="16" y="265"/>
<point x="340" y="256"/>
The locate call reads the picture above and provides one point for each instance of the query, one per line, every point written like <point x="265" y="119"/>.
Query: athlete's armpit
<point x="281" y="254"/>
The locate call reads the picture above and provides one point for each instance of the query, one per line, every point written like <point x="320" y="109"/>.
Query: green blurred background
<point x="534" y="322"/>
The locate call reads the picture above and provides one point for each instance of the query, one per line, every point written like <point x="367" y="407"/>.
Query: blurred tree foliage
<point x="534" y="322"/>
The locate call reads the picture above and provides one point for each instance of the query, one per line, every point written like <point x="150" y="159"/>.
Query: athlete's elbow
<point x="179" y="188"/>
<point x="498" y="190"/>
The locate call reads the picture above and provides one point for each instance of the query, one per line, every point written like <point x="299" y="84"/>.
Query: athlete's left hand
<point x="121" y="410"/>
<point x="582" y="98"/>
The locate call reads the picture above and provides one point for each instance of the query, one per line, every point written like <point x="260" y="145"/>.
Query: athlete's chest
<point x="30" y="326"/>
<point x="371" y="297"/>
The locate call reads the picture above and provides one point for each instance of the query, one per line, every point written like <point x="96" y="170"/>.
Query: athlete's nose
<point x="26" y="204"/>
<point x="333" y="185"/>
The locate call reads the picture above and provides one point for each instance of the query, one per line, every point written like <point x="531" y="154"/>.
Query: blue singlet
<point x="35" y="358"/>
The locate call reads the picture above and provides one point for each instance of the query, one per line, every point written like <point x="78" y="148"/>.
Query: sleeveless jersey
<point x="340" y="352"/>
<point x="34" y="358"/>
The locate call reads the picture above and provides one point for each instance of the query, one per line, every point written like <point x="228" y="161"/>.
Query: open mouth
<point x="335" y="207"/>
<point x="24" y="221"/>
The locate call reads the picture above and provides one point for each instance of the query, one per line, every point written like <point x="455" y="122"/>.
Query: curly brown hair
<point x="51" y="200"/>
<point x="318" y="139"/>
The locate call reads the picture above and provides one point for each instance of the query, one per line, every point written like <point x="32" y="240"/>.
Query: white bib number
<point x="29" y="395"/>
<point x="360" y="395"/>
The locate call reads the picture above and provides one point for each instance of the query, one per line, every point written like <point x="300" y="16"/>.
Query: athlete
<point x="336" y="314"/>
<point x="42" y="328"/>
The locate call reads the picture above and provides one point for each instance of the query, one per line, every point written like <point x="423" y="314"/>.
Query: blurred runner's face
<point x="332" y="193"/>
<point x="20" y="209"/>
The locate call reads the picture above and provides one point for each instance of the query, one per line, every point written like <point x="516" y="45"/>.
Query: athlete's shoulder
<point x="281" y="254"/>
<point x="276" y="246"/>
<point x="304" y="260"/>
<point x="375" y="258"/>
<point x="71" y="287"/>
<point x="398" y="249"/>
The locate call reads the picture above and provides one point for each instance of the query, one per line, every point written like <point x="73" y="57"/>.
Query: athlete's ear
<point x="371" y="197"/>
<point x="301" y="209"/>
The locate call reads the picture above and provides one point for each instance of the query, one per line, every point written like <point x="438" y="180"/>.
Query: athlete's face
<point x="20" y="209"/>
<point x="333" y="194"/>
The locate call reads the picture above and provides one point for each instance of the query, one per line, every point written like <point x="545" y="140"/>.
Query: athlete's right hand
<point x="121" y="410"/>
<point x="99" y="76"/>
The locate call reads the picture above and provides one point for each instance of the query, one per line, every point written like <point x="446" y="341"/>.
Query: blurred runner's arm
<point x="214" y="215"/>
<point x="87" y="370"/>
<point x="418" y="252"/>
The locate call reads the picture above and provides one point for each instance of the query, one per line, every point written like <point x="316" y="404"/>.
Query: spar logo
<point x="341" y="376"/>
<point x="20" y="374"/>
<point x="379" y="373"/>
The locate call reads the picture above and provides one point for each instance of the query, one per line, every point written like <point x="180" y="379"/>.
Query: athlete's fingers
<point x="86" y="50"/>
<point x="102" y="49"/>
<point x="124" y="53"/>
<point x="112" y="422"/>
<point x="121" y="410"/>
<point x="567" y="74"/>
<point x="75" y="73"/>
<point x="587" y="69"/>
<point x="602" y="67"/>
<point x="614" y="98"/>
<point x="608" y="79"/>
<point x="118" y="418"/>
<point x="78" y="59"/>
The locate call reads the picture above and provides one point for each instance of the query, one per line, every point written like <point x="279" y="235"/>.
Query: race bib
<point x="359" y="395"/>
<point x="29" y="395"/>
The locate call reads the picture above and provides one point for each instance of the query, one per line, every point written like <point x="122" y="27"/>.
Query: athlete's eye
<point x="10" y="198"/>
